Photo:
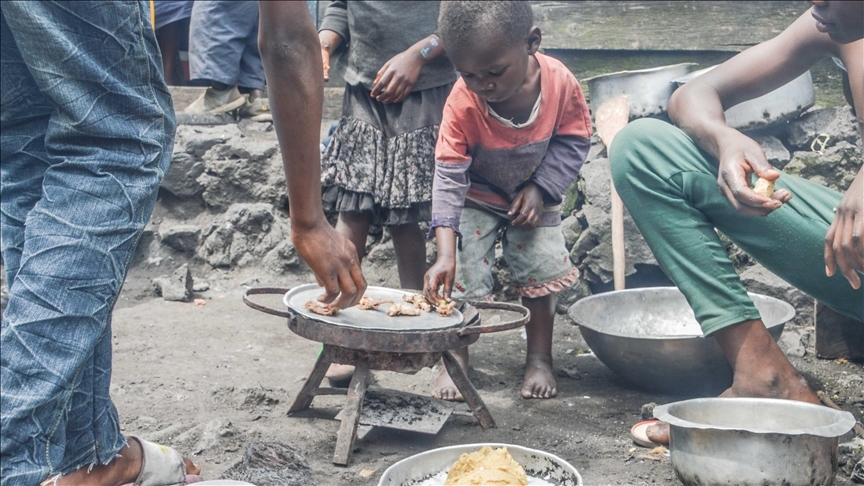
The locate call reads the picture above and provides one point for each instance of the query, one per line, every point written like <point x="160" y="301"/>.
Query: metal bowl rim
<point x="790" y="313"/>
<point x="844" y="423"/>
<point x="636" y="72"/>
<point x="572" y="469"/>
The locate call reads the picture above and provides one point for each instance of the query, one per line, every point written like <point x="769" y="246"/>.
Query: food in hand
<point x="321" y="308"/>
<point x="445" y="308"/>
<point x="400" y="309"/>
<point x="419" y="301"/>
<point x="368" y="303"/>
<point x="487" y="467"/>
<point x="764" y="187"/>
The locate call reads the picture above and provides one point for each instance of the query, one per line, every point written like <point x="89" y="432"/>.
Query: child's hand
<point x="443" y="272"/>
<point x="527" y="207"/>
<point x="396" y="78"/>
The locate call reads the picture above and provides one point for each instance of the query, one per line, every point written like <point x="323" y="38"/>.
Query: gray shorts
<point x="538" y="260"/>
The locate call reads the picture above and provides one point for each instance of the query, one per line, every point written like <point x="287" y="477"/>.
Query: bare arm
<point x="291" y="54"/>
<point x="443" y="272"/>
<point x="698" y="108"/>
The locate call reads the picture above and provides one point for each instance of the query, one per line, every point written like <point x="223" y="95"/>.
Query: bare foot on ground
<point x="339" y="374"/>
<point x="760" y="370"/>
<point x="539" y="379"/>
<point x="444" y="387"/>
<point x="122" y="470"/>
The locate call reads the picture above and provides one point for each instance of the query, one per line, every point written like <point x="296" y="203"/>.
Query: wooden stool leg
<point x="472" y="398"/>
<point x="351" y="415"/>
<point x="304" y="398"/>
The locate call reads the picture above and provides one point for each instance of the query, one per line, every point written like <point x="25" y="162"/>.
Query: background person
<point x="807" y="234"/>
<point x="87" y="134"/>
<point x="378" y="165"/>
<point x="516" y="131"/>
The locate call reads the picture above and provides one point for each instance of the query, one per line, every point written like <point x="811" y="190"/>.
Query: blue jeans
<point x="87" y="134"/>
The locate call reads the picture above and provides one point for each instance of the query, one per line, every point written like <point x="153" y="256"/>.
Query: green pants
<point x="669" y="186"/>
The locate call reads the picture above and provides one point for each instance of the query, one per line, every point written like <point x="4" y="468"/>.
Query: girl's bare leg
<point x="355" y="227"/>
<point x="410" y="247"/>
<point x="539" y="379"/>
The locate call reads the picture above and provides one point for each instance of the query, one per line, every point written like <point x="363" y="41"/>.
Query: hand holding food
<point x="764" y="187"/>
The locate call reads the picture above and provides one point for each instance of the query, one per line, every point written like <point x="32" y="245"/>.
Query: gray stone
<point x="181" y="237"/>
<point x="177" y="287"/>
<point x="834" y="168"/>
<point x="212" y="433"/>
<point x="791" y="344"/>
<point x="570" y="236"/>
<point x="244" y="171"/>
<point x="821" y="128"/>
<point x="200" y="287"/>
<point x="569" y="296"/>
<point x="206" y="119"/>
<point x="760" y="280"/>
<point x="382" y="253"/>
<point x="776" y="153"/>
<point x="190" y="144"/>
<point x="244" y="235"/>
<point x="593" y="248"/>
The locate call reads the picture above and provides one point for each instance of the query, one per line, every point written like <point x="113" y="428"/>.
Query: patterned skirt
<point x="381" y="158"/>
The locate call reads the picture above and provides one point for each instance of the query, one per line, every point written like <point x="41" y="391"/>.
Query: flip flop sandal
<point x="161" y="466"/>
<point x="639" y="435"/>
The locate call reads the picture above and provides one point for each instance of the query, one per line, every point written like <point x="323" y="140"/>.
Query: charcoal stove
<point x="371" y="340"/>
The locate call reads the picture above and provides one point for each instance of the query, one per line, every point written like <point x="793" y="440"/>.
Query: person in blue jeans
<point x="87" y="134"/>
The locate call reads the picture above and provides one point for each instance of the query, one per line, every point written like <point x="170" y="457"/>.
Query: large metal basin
<point x="648" y="90"/>
<point x="650" y="338"/>
<point x="753" y="441"/>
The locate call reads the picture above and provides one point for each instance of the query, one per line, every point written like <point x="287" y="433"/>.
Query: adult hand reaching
<point x="844" y="243"/>
<point x="333" y="259"/>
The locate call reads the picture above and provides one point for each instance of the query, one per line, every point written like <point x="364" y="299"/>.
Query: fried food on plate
<point x="400" y="309"/>
<point x="321" y="308"/>
<point x="419" y="301"/>
<point x="764" y="187"/>
<point x="445" y="308"/>
<point x="368" y="303"/>
<point x="487" y="467"/>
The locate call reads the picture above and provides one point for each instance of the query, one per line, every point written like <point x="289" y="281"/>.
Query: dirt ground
<point x="211" y="379"/>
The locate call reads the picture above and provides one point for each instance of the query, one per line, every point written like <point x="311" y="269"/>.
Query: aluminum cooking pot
<point x="647" y="90"/>
<point x="754" y="441"/>
<point x="784" y="103"/>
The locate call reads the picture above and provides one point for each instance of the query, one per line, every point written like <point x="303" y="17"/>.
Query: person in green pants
<point x="668" y="177"/>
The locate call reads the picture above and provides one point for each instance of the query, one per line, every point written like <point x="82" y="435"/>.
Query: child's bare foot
<point x="539" y="379"/>
<point x="124" y="469"/>
<point x="339" y="375"/>
<point x="444" y="388"/>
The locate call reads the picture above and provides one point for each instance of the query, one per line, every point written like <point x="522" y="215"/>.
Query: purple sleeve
<point x="560" y="167"/>
<point x="449" y="188"/>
